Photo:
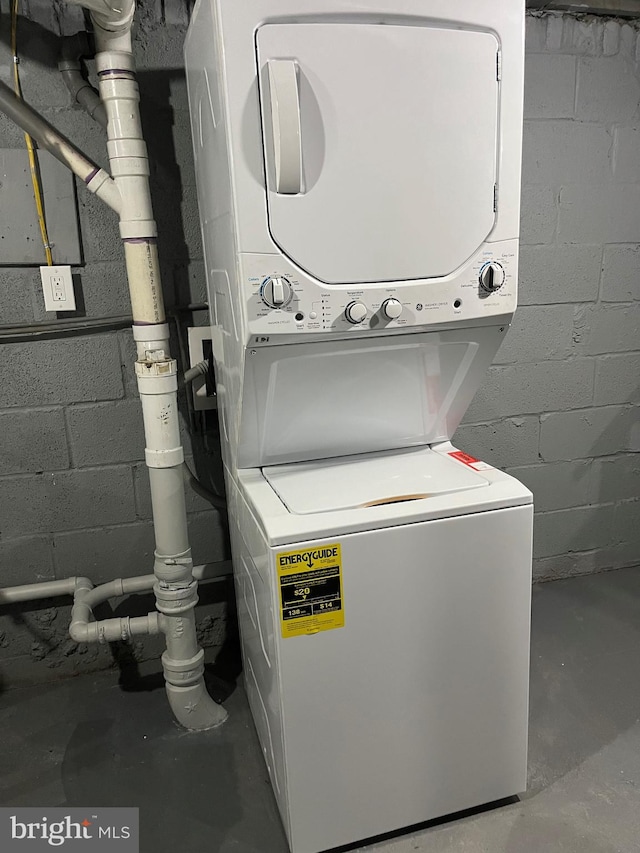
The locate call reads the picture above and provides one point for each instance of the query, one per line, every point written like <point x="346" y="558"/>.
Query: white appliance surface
<point x="417" y="707"/>
<point x="369" y="479"/>
<point x="397" y="128"/>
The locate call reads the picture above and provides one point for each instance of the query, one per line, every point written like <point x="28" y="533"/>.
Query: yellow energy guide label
<point x="310" y="590"/>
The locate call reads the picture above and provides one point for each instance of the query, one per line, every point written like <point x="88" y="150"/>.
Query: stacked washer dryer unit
<point x="358" y="170"/>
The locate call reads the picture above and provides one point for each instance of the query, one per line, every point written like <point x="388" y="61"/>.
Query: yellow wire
<point x="33" y="163"/>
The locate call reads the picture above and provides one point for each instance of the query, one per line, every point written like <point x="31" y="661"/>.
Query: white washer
<point x="416" y="706"/>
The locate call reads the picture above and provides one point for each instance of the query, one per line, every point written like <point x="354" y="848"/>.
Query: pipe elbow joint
<point x="187" y="694"/>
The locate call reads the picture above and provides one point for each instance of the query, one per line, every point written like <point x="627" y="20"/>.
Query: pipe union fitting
<point x="182" y="673"/>
<point x="178" y="569"/>
<point x="176" y="601"/>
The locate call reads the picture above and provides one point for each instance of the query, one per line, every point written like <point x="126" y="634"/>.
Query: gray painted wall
<point x="558" y="409"/>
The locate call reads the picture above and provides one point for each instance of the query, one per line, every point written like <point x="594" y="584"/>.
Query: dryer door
<point x="380" y="147"/>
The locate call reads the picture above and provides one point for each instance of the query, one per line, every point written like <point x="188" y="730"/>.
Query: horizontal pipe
<point x="49" y="139"/>
<point x="39" y="591"/>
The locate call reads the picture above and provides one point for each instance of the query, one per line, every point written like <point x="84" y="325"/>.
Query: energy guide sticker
<point x="310" y="582"/>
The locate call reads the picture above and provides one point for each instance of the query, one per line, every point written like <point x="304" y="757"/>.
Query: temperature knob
<point x="491" y="277"/>
<point x="392" y="309"/>
<point x="276" y="291"/>
<point x="355" y="312"/>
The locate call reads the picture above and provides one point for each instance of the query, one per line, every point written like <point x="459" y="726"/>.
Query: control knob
<point x="392" y="309"/>
<point x="276" y="291"/>
<point x="491" y="277"/>
<point x="355" y="312"/>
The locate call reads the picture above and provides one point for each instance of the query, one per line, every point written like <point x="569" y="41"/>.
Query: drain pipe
<point x="96" y="179"/>
<point x="176" y="589"/>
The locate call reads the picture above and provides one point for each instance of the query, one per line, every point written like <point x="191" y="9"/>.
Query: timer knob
<point x="276" y="291"/>
<point x="392" y="309"/>
<point x="355" y="312"/>
<point x="491" y="277"/>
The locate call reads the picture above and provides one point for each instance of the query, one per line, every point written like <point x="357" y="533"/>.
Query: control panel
<point x="282" y="300"/>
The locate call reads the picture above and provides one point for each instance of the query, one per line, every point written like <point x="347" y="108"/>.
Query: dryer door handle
<point x="285" y="125"/>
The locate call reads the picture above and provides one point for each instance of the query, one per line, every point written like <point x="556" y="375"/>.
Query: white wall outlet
<point x="57" y="286"/>
<point x="200" y="340"/>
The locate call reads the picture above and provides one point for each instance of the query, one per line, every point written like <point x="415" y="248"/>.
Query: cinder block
<point x="17" y="292"/>
<point x="78" y="126"/>
<point x="66" y="500"/>
<point x="32" y="440"/>
<point x="607" y="89"/>
<point x="106" y="433"/>
<point x="572" y="564"/>
<point x="535" y="33"/>
<point x="559" y="485"/>
<point x="128" y="357"/>
<point x="599" y="213"/>
<point x="621" y="271"/>
<point x="176" y="13"/>
<point x="539" y="332"/>
<point x="105" y="553"/>
<point x="64" y="370"/>
<point x="611" y="38"/>
<point x="626" y="153"/>
<point x="555" y="32"/>
<point x="558" y="274"/>
<point x="564" y="152"/>
<point x="617" y="379"/>
<point x="538" y="215"/>
<point x="207" y="537"/>
<point x="27" y="559"/>
<point x="608" y="328"/>
<point x="587" y="433"/>
<point x="532" y="388"/>
<point x="512" y="441"/>
<point x="617" y="478"/>
<point x="578" y="529"/>
<point x="626" y="532"/>
<point x="99" y="227"/>
<point x="191" y="287"/>
<point x="549" y="86"/>
<point x="103" y="289"/>
<point x="583" y="36"/>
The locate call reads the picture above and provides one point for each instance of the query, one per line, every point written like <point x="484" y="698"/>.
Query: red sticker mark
<point x="471" y="461"/>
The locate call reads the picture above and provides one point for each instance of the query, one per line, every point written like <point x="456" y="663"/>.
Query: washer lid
<point x="368" y="480"/>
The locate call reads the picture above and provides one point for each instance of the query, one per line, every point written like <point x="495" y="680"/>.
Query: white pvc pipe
<point x="39" y="591"/>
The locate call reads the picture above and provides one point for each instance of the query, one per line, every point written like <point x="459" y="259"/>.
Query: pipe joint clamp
<point x="174" y="570"/>
<point x="175" y="602"/>
<point x="183" y="673"/>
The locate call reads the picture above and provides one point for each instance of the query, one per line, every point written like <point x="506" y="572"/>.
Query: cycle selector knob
<point x="355" y="312"/>
<point x="392" y="309"/>
<point x="276" y="291"/>
<point x="491" y="277"/>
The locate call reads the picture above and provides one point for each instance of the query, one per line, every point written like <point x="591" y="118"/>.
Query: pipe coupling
<point x="177" y="569"/>
<point x="183" y="673"/>
<point x="175" y="601"/>
<point x="156" y="374"/>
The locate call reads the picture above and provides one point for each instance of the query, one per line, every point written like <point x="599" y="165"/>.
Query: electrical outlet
<point x="200" y="346"/>
<point x="57" y="286"/>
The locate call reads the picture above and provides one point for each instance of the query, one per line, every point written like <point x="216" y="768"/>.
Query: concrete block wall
<point x="559" y="409"/>
<point x="74" y="495"/>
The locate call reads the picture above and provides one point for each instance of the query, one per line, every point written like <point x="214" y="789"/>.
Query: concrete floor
<point x="85" y="742"/>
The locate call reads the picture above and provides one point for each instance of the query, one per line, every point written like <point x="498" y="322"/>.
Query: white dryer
<point x="358" y="168"/>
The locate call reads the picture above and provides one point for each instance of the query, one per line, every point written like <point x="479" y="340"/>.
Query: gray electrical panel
<point x="20" y="240"/>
